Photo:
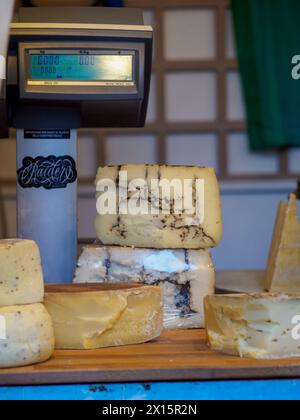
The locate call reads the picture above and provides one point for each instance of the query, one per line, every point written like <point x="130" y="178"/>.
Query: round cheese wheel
<point x="26" y="335"/>
<point x="21" y="276"/>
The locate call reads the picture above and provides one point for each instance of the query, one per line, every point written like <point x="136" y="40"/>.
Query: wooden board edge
<point x="151" y="375"/>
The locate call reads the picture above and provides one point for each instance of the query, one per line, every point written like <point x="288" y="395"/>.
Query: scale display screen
<point x="81" y="67"/>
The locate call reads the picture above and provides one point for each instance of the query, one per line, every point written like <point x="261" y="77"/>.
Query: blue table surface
<point x="221" y="390"/>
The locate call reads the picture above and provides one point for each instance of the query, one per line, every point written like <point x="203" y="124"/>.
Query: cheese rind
<point x="96" y="316"/>
<point x="186" y="277"/>
<point x="27" y="335"/>
<point x="283" y="272"/>
<point x="21" y="276"/>
<point x="172" y="230"/>
<point x="254" y="326"/>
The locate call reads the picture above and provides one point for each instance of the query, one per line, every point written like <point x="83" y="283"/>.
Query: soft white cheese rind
<point x="186" y="277"/>
<point x="29" y="335"/>
<point x="254" y="326"/>
<point x="21" y="276"/>
<point x="160" y="230"/>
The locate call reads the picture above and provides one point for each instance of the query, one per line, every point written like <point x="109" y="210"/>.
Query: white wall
<point x="249" y="212"/>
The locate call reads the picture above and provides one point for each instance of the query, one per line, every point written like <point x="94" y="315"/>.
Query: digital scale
<point x="68" y="68"/>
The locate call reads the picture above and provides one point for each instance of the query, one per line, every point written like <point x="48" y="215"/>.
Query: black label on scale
<point x="35" y="134"/>
<point x="49" y="173"/>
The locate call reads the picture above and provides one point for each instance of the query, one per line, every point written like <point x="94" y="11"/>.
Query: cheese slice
<point x="283" y="272"/>
<point x="263" y="326"/>
<point x="186" y="277"/>
<point x="26" y="335"/>
<point x="21" y="276"/>
<point x="95" y="316"/>
<point x="159" y="219"/>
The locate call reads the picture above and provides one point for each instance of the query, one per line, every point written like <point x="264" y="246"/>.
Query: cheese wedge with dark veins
<point x="21" y="276"/>
<point x="186" y="277"/>
<point x="26" y="335"/>
<point x="107" y="315"/>
<point x="264" y="326"/>
<point x="172" y="230"/>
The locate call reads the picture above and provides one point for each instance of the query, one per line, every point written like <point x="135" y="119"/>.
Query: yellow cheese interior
<point x="104" y="318"/>
<point x="283" y="272"/>
<point x="255" y="326"/>
<point x="162" y="231"/>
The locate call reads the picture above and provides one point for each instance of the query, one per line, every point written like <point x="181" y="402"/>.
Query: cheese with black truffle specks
<point x="263" y="326"/>
<point x="21" y="276"/>
<point x="283" y="272"/>
<point x="161" y="223"/>
<point x="26" y="335"/>
<point x="186" y="276"/>
<point x="107" y="315"/>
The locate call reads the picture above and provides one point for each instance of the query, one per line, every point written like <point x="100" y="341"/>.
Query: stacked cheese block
<point x="170" y="249"/>
<point x="185" y="276"/>
<point x="26" y="332"/>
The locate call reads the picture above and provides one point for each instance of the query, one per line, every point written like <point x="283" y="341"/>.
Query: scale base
<point x="47" y="198"/>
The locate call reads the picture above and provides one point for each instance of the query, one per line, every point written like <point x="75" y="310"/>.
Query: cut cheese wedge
<point x="263" y="326"/>
<point x="21" y="276"/>
<point x="104" y="315"/>
<point x="186" y="277"/>
<point x="151" y="206"/>
<point x="283" y="272"/>
<point x="26" y="335"/>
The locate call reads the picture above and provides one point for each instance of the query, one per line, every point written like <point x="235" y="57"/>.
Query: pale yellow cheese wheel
<point x="21" y="276"/>
<point x="26" y="335"/>
<point x="104" y="315"/>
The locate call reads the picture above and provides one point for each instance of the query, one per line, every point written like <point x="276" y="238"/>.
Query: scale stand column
<point x="47" y="198"/>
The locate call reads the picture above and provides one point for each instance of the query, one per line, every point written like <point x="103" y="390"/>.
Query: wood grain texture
<point x="92" y="287"/>
<point x="181" y="355"/>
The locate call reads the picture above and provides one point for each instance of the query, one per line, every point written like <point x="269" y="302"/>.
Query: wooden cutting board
<point x="181" y="355"/>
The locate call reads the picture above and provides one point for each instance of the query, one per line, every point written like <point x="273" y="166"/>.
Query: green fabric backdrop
<point x="267" y="34"/>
